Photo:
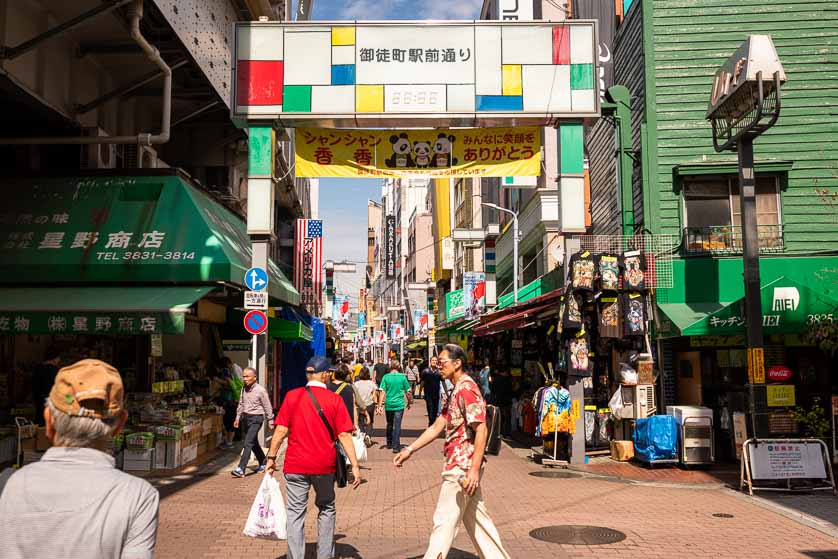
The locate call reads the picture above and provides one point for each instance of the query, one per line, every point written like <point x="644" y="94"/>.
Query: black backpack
<point x="493" y="439"/>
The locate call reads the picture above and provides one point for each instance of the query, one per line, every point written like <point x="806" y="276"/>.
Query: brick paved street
<point x="203" y="513"/>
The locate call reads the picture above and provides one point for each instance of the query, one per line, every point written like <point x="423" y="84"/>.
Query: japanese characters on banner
<point x="486" y="152"/>
<point x="90" y="323"/>
<point x="308" y="263"/>
<point x="474" y="294"/>
<point x="786" y="460"/>
<point x="390" y="246"/>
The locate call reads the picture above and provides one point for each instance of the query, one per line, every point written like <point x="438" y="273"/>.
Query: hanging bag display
<point x="340" y="459"/>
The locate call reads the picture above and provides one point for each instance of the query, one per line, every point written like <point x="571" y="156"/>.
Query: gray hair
<point x="79" y="432"/>
<point x="252" y="370"/>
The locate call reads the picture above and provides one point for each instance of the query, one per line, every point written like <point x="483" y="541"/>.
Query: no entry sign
<point x="255" y="322"/>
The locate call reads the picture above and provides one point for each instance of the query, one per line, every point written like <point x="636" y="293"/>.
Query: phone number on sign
<point x="145" y="255"/>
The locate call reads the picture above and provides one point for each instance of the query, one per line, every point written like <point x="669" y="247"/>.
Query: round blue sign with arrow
<point x="256" y="279"/>
<point x="255" y="322"/>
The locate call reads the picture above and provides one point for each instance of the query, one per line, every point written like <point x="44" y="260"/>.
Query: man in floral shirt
<point x="464" y="423"/>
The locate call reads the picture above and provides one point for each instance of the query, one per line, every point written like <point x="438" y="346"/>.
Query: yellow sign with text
<point x="780" y="395"/>
<point x="477" y="152"/>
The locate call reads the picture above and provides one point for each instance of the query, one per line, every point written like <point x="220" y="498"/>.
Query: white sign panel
<point x="392" y="74"/>
<point x="256" y="300"/>
<point x="787" y="460"/>
<point x="447" y="253"/>
<point x="515" y="10"/>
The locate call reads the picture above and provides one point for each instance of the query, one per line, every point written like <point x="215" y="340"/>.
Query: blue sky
<point x="343" y="202"/>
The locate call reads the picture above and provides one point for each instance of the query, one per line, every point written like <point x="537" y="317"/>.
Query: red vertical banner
<point x="561" y="45"/>
<point x="308" y="263"/>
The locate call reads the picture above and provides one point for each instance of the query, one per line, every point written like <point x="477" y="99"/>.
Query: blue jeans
<point x="394" y="427"/>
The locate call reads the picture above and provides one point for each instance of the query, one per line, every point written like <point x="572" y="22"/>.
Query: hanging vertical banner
<point x="478" y="152"/>
<point x="308" y="263"/>
<point x="390" y="246"/>
<point x="474" y="294"/>
<point x="604" y="12"/>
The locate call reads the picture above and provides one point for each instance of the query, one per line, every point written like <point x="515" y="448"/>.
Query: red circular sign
<point x="255" y="322"/>
<point x="778" y="373"/>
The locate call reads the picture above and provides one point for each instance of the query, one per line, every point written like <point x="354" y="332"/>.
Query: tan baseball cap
<point x="88" y="388"/>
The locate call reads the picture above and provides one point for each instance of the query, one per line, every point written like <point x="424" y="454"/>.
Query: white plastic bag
<point x="627" y="374"/>
<point x="616" y="403"/>
<point x="359" y="442"/>
<point x="267" y="515"/>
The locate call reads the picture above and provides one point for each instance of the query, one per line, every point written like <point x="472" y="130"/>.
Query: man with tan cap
<point x="74" y="502"/>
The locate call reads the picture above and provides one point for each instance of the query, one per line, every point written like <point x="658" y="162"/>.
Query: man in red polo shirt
<point x="310" y="457"/>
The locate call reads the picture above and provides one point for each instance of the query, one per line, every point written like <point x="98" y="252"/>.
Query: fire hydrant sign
<point x="256" y="300"/>
<point x="787" y="460"/>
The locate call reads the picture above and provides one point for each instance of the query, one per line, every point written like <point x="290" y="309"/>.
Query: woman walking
<point x="366" y="390"/>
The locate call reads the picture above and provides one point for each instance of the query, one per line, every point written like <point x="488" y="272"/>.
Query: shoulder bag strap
<point x="342" y="386"/>
<point x="322" y="415"/>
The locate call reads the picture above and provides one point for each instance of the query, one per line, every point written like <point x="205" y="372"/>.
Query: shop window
<point x="712" y="214"/>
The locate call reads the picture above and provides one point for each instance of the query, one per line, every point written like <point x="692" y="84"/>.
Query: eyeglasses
<point x="444" y="361"/>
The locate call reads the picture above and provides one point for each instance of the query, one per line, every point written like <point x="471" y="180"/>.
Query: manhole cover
<point x="578" y="535"/>
<point x="722" y="515"/>
<point x="564" y="475"/>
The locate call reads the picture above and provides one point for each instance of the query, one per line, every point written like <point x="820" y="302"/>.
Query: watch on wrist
<point x="270" y="458"/>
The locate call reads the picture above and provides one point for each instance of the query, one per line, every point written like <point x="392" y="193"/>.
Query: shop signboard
<point x="390" y="246"/>
<point x="447" y="245"/>
<point x="99" y="323"/>
<point x="156" y="345"/>
<point x="256" y="300"/>
<point x="454" y="305"/>
<point x="780" y="395"/>
<point x="778" y="373"/>
<point x="478" y="152"/>
<point x="308" y="263"/>
<point x="415" y="74"/>
<point x="786" y="460"/>
<point x="474" y="294"/>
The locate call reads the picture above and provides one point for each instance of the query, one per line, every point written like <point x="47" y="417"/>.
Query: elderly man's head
<point x="249" y="376"/>
<point x="318" y="369"/>
<point x="85" y="405"/>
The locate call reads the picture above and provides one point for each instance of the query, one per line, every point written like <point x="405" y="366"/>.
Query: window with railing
<point x="712" y="215"/>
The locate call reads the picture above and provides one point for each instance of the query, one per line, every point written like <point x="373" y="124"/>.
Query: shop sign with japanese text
<point x="428" y="74"/>
<point x="491" y="152"/>
<point x="454" y="305"/>
<point x="780" y="395"/>
<point x="390" y="246"/>
<point x="121" y="324"/>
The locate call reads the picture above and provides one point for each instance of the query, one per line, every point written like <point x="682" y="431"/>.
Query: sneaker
<point x="261" y="469"/>
<point x="396" y="450"/>
<point x="238" y="472"/>
<point x="226" y="446"/>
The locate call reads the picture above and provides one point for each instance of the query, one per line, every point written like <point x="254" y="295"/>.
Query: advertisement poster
<point x="479" y="152"/>
<point x="474" y="294"/>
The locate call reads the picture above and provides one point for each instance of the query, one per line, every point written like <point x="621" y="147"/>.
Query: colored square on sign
<point x="296" y="99"/>
<point x="512" y="79"/>
<point x="259" y="82"/>
<point x="499" y="103"/>
<point x="342" y="36"/>
<point x="343" y="74"/>
<point x="369" y="98"/>
<point x="581" y="76"/>
<point x="572" y="149"/>
<point x="561" y="45"/>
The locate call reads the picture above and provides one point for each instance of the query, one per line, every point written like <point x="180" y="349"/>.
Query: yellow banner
<point x="478" y="152"/>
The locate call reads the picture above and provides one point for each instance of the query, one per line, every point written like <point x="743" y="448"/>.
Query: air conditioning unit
<point x="97" y="156"/>
<point x="639" y="401"/>
<point x="142" y="157"/>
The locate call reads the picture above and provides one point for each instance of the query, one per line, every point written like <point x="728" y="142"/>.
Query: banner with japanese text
<point x="479" y="152"/>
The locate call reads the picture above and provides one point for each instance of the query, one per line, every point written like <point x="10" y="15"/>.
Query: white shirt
<point x="74" y="503"/>
<point x="366" y="390"/>
<point x="238" y="371"/>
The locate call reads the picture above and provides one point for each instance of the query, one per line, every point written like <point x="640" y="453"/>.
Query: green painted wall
<point x="685" y="42"/>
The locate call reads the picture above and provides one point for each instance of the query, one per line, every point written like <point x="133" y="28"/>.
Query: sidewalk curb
<point x="799" y="517"/>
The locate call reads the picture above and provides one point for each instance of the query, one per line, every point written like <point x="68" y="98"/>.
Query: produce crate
<point x="141" y="440"/>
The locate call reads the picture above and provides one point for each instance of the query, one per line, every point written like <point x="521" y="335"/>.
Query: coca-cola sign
<point x="778" y="373"/>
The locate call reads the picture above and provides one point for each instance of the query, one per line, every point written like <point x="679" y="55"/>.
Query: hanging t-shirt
<point x="573" y="311"/>
<point x="609" y="317"/>
<point x="634" y="313"/>
<point x="634" y="270"/>
<point x="582" y="270"/>
<point x="579" y="350"/>
<point x="609" y="272"/>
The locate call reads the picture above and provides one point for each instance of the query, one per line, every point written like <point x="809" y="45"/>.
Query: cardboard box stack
<point x="622" y="451"/>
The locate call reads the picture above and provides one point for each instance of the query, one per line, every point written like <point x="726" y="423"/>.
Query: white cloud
<point x="406" y="9"/>
<point x="449" y="9"/>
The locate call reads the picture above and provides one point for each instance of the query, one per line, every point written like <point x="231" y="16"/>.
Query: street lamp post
<point x="514" y="246"/>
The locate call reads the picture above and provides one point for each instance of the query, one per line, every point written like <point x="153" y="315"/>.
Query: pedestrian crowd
<point x="76" y="503"/>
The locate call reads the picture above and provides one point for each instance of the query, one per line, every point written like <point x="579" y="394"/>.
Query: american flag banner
<point x="308" y="263"/>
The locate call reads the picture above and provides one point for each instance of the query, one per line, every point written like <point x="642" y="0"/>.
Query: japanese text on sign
<point x="496" y="152"/>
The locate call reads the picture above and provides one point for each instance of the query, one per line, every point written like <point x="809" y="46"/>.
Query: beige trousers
<point x="453" y="506"/>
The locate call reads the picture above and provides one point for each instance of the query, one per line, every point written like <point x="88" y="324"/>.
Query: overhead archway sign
<point x="418" y="74"/>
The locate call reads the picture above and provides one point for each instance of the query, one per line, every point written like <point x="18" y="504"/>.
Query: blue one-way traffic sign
<point x="256" y="279"/>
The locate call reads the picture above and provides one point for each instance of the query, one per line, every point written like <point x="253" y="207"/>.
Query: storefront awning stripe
<point x="96" y="310"/>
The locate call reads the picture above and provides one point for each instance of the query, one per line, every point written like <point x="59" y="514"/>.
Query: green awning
<point x="683" y="317"/>
<point x="96" y="310"/>
<point x="788" y="307"/>
<point x="136" y="230"/>
<point x="289" y="330"/>
<point x="417" y="344"/>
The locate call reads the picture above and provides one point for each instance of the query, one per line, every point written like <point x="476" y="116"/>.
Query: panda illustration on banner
<point x="443" y="151"/>
<point x="401" y="157"/>
<point x="422" y="154"/>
